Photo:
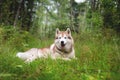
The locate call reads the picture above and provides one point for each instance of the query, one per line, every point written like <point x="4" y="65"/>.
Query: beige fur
<point x="62" y="48"/>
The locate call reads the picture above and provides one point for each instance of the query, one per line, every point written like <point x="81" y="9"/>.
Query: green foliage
<point x="97" y="57"/>
<point x="17" y="13"/>
<point x="95" y="19"/>
<point x="14" y="38"/>
<point x="111" y="14"/>
<point x="97" y="51"/>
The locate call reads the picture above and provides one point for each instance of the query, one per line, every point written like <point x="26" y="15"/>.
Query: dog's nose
<point x="62" y="42"/>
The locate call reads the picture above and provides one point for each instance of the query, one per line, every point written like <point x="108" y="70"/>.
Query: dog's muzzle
<point x="62" y="44"/>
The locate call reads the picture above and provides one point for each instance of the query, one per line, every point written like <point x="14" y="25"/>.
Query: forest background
<point x="95" y="26"/>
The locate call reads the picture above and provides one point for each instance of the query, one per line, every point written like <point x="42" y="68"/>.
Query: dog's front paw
<point x="28" y="60"/>
<point x="66" y="59"/>
<point x="75" y="58"/>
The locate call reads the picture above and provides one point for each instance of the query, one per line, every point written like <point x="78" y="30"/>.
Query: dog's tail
<point x="21" y="55"/>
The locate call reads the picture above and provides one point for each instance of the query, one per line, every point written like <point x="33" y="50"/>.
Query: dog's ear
<point x="68" y="31"/>
<point x="57" y="31"/>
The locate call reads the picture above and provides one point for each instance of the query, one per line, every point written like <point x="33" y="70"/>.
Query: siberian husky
<point x="62" y="48"/>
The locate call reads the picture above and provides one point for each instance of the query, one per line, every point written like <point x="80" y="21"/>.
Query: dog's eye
<point x="59" y="37"/>
<point x="69" y="37"/>
<point x="56" y="38"/>
<point x="65" y="37"/>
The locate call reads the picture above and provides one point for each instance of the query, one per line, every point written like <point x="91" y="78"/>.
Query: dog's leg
<point x="30" y="59"/>
<point x="66" y="59"/>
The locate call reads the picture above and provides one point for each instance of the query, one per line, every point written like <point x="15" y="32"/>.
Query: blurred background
<point x="41" y="17"/>
<point x="95" y="26"/>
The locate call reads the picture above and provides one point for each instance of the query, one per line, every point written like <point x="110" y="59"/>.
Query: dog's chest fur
<point x="54" y="52"/>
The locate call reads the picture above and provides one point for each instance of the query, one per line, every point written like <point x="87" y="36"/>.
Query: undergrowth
<point x="98" y="57"/>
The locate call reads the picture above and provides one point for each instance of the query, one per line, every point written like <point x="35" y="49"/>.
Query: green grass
<point x="98" y="58"/>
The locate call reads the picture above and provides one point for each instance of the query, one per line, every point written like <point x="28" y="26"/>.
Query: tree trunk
<point x="17" y="14"/>
<point x="74" y="13"/>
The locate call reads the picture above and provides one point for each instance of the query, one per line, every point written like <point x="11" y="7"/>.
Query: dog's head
<point x="63" y="39"/>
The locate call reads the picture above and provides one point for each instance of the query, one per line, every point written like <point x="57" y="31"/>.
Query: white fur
<point x="55" y="51"/>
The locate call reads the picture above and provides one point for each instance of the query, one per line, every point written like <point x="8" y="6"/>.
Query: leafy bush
<point x="95" y="20"/>
<point x="14" y="38"/>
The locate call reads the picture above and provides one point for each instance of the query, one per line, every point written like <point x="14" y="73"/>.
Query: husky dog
<point x="62" y="48"/>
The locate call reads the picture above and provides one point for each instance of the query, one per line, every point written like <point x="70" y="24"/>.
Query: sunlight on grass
<point x="97" y="59"/>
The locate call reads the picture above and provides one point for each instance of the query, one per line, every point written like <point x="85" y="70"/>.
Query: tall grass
<point x="98" y="58"/>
